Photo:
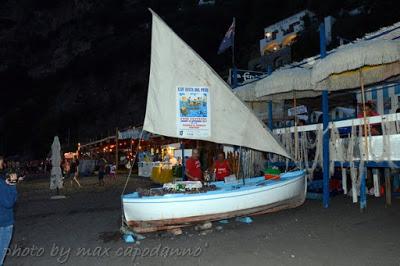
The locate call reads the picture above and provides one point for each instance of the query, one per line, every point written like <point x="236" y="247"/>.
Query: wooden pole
<point x="233" y="47"/>
<point x="364" y="116"/>
<point x="296" y="137"/>
<point x="116" y="150"/>
<point x="238" y="169"/>
<point x="388" y="187"/>
<point x="363" y="196"/>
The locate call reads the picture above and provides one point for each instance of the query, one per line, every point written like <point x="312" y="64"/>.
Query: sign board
<point x="302" y="109"/>
<point x="244" y="76"/>
<point x="178" y="153"/>
<point x="193" y="112"/>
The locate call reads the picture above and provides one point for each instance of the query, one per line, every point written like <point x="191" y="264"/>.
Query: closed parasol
<point x="56" y="174"/>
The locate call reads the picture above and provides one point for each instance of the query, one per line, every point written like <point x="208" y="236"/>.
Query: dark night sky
<point x="80" y="68"/>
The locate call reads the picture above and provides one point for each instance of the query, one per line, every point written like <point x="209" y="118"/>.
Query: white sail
<point x="187" y="99"/>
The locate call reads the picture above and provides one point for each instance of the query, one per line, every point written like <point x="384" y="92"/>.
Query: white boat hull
<point x="146" y="214"/>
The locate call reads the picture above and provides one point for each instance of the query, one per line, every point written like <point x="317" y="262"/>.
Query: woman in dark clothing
<point x="74" y="173"/>
<point x="8" y="197"/>
<point x="102" y="171"/>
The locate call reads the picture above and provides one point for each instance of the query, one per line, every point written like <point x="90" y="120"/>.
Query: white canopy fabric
<point x="285" y="84"/>
<point x="175" y="65"/>
<point x="281" y="85"/>
<point x="351" y="79"/>
<point x="355" y="56"/>
<point x="377" y="60"/>
<point x="247" y="92"/>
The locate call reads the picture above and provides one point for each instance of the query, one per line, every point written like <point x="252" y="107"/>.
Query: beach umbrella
<point x="373" y="61"/>
<point x="285" y="84"/>
<point x="56" y="174"/>
<point x="358" y="64"/>
<point x="282" y="84"/>
<point x="247" y="92"/>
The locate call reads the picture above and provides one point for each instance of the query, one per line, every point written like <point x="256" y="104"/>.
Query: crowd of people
<point x="28" y="168"/>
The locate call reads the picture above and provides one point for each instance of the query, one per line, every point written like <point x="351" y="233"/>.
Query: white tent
<point x="187" y="99"/>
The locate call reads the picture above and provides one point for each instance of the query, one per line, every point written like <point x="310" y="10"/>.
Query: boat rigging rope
<point x="123" y="220"/>
<point x="318" y="155"/>
<point x="133" y="162"/>
<point x="334" y="148"/>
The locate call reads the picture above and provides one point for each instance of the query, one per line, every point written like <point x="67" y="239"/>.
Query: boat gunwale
<point x="240" y="192"/>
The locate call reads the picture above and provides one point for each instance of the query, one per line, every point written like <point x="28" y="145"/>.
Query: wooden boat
<point x="257" y="196"/>
<point x="176" y="73"/>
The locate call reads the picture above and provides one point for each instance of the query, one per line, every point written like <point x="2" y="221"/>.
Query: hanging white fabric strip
<point x="353" y="172"/>
<point x="375" y="174"/>
<point x="344" y="180"/>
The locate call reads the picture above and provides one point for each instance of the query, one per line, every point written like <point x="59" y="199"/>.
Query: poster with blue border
<point x="193" y="112"/>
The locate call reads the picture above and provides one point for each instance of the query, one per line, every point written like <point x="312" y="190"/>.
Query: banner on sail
<point x="193" y="112"/>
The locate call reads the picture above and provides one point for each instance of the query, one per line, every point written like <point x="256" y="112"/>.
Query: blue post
<point x="269" y="70"/>
<point x="234" y="77"/>
<point x="325" y="120"/>
<point x="183" y="161"/>
<point x="325" y="148"/>
<point x="363" y="192"/>
<point x="270" y="120"/>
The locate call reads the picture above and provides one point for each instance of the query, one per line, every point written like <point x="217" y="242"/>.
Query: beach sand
<point x="83" y="229"/>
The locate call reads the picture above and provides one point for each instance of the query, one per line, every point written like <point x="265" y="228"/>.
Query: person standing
<point x="8" y="197"/>
<point x="102" y="171"/>
<point x="67" y="168"/>
<point x="221" y="167"/>
<point x="193" y="167"/>
<point x="170" y="158"/>
<point x="113" y="172"/>
<point x="74" y="171"/>
<point x="369" y="112"/>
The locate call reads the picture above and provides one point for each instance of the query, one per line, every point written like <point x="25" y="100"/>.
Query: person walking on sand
<point x="74" y="171"/>
<point x="113" y="172"/>
<point x="102" y="171"/>
<point x="67" y="169"/>
<point x="8" y="197"/>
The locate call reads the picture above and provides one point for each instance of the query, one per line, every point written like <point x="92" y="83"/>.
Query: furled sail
<point x="187" y="99"/>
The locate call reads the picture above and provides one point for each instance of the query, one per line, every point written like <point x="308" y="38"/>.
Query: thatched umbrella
<point x="340" y="69"/>
<point x="359" y="64"/>
<point x="247" y="92"/>
<point x="282" y="84"/>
